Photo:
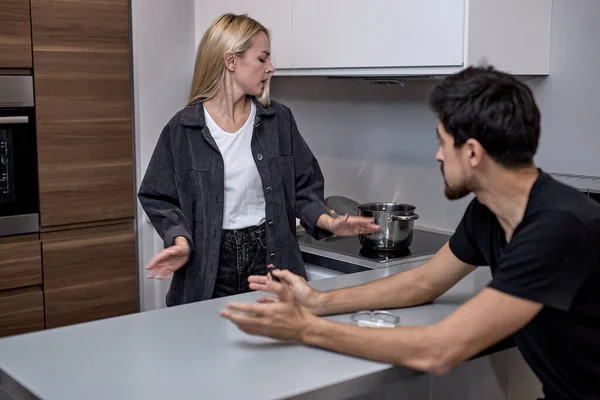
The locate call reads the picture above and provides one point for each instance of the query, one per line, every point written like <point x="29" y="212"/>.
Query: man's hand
<point x="303" y="293"/>
<point x="169" y="260"/>
<point x="347" y="225"/>
<point x="284" y="319"/>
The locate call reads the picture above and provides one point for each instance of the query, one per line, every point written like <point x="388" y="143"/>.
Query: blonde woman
<point x="231" y="173"/>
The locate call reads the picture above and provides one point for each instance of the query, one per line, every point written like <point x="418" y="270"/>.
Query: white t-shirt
<point x="244" y="196"/>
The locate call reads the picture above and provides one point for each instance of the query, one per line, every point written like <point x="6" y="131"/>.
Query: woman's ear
<point x="230" y="61"/>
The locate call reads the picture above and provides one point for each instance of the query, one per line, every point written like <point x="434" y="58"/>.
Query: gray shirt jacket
<point x="183" y="193"/>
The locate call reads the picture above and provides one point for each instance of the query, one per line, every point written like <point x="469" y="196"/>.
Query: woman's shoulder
<point x="191" y="114"/>
<point x="280" y="108"/>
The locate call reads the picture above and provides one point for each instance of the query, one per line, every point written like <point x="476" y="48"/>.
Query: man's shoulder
<point x="555" y="203"/>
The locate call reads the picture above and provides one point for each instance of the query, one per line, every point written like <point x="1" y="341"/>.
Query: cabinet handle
<point x="14" y="120"/>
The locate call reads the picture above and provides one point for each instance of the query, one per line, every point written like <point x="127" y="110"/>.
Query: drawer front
<point x="21" y="311"/>
<point x="83" y="303"/>
<point x="89" y="274"/>
<point x="15" y="34"/>
<point x="20" y="263"/>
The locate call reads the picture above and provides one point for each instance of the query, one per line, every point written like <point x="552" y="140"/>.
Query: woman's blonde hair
<point x="228" y="33"/>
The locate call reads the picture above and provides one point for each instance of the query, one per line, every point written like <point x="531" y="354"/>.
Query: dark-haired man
<point x="540" y="238"/>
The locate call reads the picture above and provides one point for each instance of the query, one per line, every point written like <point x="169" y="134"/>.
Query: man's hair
<point x="493" y="108"/>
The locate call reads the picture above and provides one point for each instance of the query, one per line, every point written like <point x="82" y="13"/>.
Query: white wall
<point x="163" y="58"/>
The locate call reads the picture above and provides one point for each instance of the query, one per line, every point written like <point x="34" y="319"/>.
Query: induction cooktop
<point x="423" y="243"/>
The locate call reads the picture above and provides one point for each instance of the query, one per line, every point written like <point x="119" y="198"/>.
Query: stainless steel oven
<point x="19" y="198"/>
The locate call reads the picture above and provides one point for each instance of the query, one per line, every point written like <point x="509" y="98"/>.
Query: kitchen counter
<point x="190" y="352"/>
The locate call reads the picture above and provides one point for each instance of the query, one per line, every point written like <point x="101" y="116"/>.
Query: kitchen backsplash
<point x="374" y="143"/>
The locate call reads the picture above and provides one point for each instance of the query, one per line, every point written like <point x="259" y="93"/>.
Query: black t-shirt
<point x="553" y="258"/>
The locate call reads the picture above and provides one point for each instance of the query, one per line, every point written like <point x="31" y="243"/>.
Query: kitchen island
<point x="191" y="352"/>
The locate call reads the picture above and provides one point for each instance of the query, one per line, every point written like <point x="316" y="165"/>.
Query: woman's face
<point x="254" y="67"/>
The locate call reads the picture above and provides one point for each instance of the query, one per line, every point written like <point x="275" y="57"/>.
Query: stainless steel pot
<point x="395" y="220"/>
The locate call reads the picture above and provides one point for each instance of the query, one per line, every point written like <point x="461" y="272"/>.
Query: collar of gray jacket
<point x="193" y="113"/>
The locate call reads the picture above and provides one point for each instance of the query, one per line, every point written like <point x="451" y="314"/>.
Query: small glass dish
<point x="375" y="319"/>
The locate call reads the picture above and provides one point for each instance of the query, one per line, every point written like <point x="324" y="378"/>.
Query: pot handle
<point x="410" y="217"/>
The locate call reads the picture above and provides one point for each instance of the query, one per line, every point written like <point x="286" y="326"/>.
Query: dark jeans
<point x="243" y="253"/>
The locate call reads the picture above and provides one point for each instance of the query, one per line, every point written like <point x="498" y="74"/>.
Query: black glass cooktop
<point x="423" y="243"/>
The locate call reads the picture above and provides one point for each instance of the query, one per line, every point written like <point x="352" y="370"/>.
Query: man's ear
<point x="474" y="152"/>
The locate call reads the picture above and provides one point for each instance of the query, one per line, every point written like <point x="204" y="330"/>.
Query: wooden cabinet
<point x="21" y="299"/>
<point x="89" y="274"/>
<point x="21" y="311"/>
<point x="379" y="33"/>
<point x="275" y="15"/>
<point x="20" y="262"/>
<point x="15" y="34"/>
<point x="83" y="109"/>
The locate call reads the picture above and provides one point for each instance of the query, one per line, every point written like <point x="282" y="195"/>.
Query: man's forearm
<point x="404" y="346"/>
<point x="410" y="288"/>
<point x="404" y="289"/>
<point x="485" y="319"/>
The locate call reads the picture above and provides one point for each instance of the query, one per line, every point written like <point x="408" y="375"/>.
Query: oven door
<point x="19" y="202"/>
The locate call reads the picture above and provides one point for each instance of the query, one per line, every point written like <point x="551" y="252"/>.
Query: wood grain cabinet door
<point x="82" y="75"/>
<point x="21" y="311"/>
<point x="89" y="274"/>
<point x="20" y="261"/>
<point x="15" y="34"/>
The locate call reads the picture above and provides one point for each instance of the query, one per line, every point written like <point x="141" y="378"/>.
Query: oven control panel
<point x="6" y="173"/>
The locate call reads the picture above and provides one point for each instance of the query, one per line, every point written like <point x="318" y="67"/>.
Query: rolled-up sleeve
<point x="158" y="194"/>
<point x="310" y="185"/>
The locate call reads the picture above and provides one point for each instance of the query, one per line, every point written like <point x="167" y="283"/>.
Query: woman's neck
<point x="229" y="103"/>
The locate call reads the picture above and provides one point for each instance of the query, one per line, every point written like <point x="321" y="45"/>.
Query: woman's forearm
<point x="324" y="222"/>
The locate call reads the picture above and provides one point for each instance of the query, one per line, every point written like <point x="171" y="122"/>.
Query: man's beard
<point x="454" y="193"/>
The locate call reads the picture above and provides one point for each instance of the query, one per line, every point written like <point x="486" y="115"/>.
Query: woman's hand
<point x="169" y="260"/>
<point x="347" y="225"/>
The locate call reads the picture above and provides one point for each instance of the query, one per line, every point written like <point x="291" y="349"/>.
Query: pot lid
<point x="342" y="205"/>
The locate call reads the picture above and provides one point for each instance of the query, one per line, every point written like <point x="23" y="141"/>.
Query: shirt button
<point x="259" y="157"/>
<point x="269" y="190"/>
<point x="270" y="223"/>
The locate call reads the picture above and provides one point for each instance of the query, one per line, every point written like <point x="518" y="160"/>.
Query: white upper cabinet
<point x="377" y="33"/>
<point x="275" y="15"/>
<point x="397" y="37"/>
<point x="512" y="35"/>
